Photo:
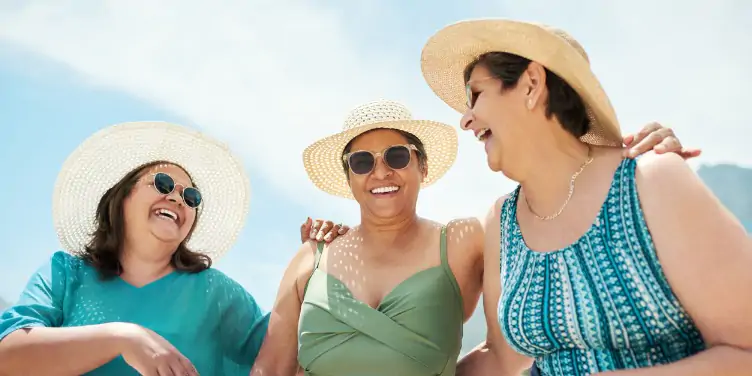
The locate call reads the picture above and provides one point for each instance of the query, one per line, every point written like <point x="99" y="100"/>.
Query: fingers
<point x="690" y="153"/>
<point x="336" y="230"/>
<point x="661" y="140"/>
<point x="323" y="230"/>
<point x="305" y="229"/>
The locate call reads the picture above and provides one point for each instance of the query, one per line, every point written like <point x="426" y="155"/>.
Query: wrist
<point x="118" y="335"/>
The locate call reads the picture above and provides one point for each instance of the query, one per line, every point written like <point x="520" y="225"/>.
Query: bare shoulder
<point x="301" y="265"/>
<point x="492" y="220"/>
<point x="654" y="169"/>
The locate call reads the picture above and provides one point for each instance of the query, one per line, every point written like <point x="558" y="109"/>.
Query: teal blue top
<point x="207" y="316"/>
<point x="600" y="304"/>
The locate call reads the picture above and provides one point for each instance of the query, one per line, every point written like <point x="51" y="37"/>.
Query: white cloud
<point x="272" y="76"/>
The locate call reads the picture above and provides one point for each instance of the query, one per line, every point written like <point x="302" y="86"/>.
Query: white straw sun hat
<point x="108" y="155"/>
<point x="449" y="51"/>
<point x="323" y="158"/>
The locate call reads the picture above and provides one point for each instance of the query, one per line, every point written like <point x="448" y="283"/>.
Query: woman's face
<point x="504" y="119"/>
<point x="386" y="192"/>
<point x="151" y="214"/>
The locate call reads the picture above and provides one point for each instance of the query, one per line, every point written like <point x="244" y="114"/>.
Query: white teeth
<point x="167" y="213"/>
<point x="385" y="189"/>
<point x="482" y="133"/>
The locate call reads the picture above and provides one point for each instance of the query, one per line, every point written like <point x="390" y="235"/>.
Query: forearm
<point x="58" y="351"/>
<point x="482" y="360"/>
<point x="718" y="360"/>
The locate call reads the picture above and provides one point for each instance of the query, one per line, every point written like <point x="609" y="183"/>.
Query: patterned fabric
<point x="602" y="303"/>
<point x="207" y="316"/>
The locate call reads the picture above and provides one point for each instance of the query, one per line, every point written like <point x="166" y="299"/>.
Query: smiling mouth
<point x="385" y="190"/>
<point x="483" y="135"/>
<point x="166" y="214"/>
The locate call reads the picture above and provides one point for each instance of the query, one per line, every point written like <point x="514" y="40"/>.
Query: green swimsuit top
<point x="415" y="331"/>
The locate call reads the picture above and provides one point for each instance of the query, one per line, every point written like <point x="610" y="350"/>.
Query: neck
<point x="138" y="269"/>
<point x="550" y="169"/>
<point x="387" y="231"/>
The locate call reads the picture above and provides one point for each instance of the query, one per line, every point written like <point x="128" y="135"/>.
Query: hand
<point x="659" y="139"/>
<point x="317" y="230"/>
<point x="150" y="354"/>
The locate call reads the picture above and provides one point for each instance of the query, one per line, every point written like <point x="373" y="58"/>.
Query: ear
<point x="424" y="171"/>
<point x="535" y="84"/>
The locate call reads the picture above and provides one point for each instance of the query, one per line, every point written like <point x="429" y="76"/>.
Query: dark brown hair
<point x="563" y="102"/>
<point x="104" y="250"/>
<point x="411" y="139"/>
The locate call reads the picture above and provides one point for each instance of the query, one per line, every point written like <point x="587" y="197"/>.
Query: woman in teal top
<point x="142" y="210"/>
<point x="599" y="264"/>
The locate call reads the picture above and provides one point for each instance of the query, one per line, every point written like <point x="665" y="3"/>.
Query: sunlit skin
<point x="390" y="245"/>
<point x="692" y="232"/>
<point x="151" y="239"/>
<point x="391" y="208"/>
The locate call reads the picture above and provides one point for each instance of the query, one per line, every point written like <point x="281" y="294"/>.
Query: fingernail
<point x="312" y="234"/>
<point x="319" y="236"/>
<point x="328" y="237"/>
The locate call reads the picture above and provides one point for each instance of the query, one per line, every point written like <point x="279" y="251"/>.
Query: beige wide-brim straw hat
<point x="448" y="52"/>
<point x="323" y="158"/>
<point x="108" y="155"/>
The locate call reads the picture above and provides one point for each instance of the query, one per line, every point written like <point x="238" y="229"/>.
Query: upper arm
<point x="704" y="251"/>
<point x="491" y="271"/>
<point x="508" y="360"/>
<point x="465" y="249"/>
<point x="278" y="355"/>
<point x="41" y="302"/>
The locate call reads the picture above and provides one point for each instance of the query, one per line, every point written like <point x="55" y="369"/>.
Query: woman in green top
<point x="390" y="296"/>
<point x="142" y="210"/>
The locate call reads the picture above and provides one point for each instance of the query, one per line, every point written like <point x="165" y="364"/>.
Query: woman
<point x="389" y="296"/>
<point x="581" y="288"/>
<point x="142" y="210"/>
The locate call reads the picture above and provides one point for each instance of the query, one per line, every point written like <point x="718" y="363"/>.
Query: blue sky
<point x="270" y="78"/>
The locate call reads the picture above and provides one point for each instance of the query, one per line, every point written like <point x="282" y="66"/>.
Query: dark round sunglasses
<point x="396" y="157"/>
<point x="164" y="184"/>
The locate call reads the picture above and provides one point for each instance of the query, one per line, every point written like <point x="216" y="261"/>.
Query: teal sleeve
<point x="243" y="325"/>
<point x="41" y="302"/>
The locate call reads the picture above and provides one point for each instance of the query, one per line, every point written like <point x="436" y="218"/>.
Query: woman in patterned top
<point x="142" y="210"/>
<point x="607" y="265"/>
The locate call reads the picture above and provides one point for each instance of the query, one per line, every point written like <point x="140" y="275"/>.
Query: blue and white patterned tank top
<point x="602" y="303"/>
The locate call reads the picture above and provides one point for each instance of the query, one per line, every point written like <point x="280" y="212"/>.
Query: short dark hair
<point x="563" y="102"/>
<point x="106" y="244"/>
<point x="411" y="139"/>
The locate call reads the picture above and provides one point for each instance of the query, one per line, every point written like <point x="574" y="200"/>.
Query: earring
<point x="529" y="104"/>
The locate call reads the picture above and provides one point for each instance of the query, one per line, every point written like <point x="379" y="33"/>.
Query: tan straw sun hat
<point x="448" y="52"/>
<point x="323" y="159"/>
<point x="108" y="155"/>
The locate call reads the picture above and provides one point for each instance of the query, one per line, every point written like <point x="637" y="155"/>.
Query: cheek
<point x="190" y="219"/>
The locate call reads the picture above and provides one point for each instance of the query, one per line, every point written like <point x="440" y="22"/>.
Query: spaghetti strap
<point x="443" y="246"/>
<point x="317" y="257"/>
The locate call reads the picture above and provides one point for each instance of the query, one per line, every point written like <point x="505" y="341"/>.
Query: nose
<point x="380" y="169"/>
<point x="176" y="195"/>
<point x="467" y="119"/>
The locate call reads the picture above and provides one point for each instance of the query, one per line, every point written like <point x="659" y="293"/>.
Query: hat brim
<point x="107" y="156"/>
<point x="323" y="159"/>
<point x="448" y="52"/>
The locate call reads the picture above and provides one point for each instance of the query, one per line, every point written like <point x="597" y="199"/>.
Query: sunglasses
<point x="165" y="185"/>
<point x="396" y="157"/>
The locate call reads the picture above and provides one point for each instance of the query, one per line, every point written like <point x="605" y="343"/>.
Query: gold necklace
<point x="571" y="192"/>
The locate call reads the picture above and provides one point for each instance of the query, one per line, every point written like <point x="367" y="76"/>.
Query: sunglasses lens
<point x="397" y="157"/>
<point x="361" y="162"/>
<point x="192" y="197"/>
<point x="163" y="183"/>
